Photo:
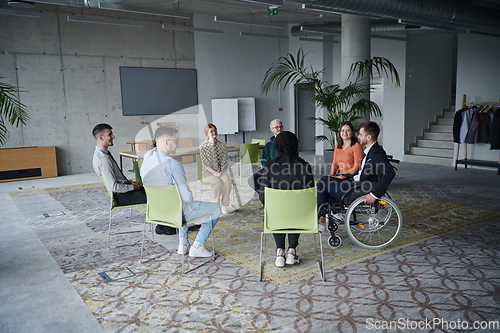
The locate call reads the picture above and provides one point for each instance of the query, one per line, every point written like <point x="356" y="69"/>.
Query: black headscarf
<point x="287" y="143"/>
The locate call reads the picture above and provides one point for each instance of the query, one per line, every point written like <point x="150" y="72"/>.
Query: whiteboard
<point x="225" y="115"/>
<point x="246" y="114"/>
<point x="232" y="115"/>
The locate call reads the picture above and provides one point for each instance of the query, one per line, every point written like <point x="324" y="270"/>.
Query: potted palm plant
<point x="341" y="103"/>
<point x="11" y="110"/>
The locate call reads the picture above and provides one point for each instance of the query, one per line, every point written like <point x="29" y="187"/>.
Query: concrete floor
<point x="37" y="297"/>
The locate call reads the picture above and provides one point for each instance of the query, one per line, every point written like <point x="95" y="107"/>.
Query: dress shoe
<point x="164" y="230"/>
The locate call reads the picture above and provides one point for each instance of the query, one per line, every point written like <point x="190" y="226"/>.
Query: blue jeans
<point x="203" y="209"/>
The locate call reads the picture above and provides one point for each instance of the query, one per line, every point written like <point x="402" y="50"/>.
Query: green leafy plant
<point x="11" y="110"/>
<point x="341" y="103"/>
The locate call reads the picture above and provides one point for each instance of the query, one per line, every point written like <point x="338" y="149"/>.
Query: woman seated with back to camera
<point x="214" y="161"/>
<point x="347" y="158"/>
<point x="287" y="171"/>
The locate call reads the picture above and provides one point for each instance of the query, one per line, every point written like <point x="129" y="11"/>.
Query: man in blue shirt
<point x="162" y="170"/>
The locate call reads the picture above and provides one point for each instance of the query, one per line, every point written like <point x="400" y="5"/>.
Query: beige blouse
<point x="213" y="155"/>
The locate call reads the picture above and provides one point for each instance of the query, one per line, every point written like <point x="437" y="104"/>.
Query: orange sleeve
<point x="335" y="163"/>
<point x="358" y="154"/>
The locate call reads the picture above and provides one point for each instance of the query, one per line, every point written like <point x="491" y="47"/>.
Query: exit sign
<point x="273" y="10"/>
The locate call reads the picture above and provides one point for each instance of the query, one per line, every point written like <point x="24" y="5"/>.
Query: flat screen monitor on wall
<point x="158" y="91"/>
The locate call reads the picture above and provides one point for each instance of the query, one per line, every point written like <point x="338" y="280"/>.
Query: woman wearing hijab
<point x="287" y="171"/>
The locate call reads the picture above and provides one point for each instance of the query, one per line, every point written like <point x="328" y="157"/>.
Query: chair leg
<point x="321" y="265"/>
<point x="261" y="263"/>
<point x="241" y="176"/>
<point x="142" y="241"/>
<point x="109" y="227"/>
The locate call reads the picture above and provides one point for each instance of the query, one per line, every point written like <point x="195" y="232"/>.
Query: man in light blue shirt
<point x="162" y="170"/>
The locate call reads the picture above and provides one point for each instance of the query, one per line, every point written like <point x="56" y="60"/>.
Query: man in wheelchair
<point x="372" y="179"/>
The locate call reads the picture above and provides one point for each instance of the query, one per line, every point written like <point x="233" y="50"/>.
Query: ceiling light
<point x="245" y="22"/>
<point x="266" y="2"/>
<point x="54" y="2"/>
<point x="20" y="4"/>
<point x="389" y="37"/>
<point x="318" y="40"/>
<point x="319" y="9"/>
<point x="320" y="29"/>
<point x="100" y="20"/>
<point x="14" y="12"/>
<point x="191" y="29"/>
<point x="408" y="23"/>
<point x="253" y="34"/>
<point x="132" y="9"/>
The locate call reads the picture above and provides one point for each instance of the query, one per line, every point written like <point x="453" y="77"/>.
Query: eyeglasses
<point x="276" y="127"/>
<point x="176" y="141"/>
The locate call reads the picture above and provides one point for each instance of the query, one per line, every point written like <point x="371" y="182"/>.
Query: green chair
<point x="261" y="142"/>
<point x="137" y="170"/>
<point x="199" y="176"/>
<point x="290" y="211"/>
<point x="114" y="205"/>
<point x="249" y="154"/>
<point x="164" y="207"/>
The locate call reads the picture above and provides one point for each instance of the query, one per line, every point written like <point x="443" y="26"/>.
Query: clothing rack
<point x="466" y="161"/>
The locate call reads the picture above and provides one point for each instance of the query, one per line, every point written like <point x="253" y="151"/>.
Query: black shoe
<point x="164" y="230"/>
<point x="194" y="227"/>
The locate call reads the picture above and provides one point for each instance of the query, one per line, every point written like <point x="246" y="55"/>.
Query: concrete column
<point x="355" y="45"/>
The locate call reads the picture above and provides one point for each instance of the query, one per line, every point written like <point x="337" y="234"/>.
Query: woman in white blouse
<point x="215" y="162"/>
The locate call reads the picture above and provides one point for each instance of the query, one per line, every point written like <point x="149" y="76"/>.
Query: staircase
<point x="436" y="145"/>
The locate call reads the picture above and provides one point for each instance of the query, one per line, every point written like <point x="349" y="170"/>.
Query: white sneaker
<point x="280" y="261"/>
<point x="339" y="216"/>
<point x="223" y="209"/>
<point x="292" y="258"/>
<point x="183" y="247"/>
<point x="321" y="227"/>
<point x="201" y="252"/>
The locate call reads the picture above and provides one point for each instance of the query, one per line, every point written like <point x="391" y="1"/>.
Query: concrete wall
<point x="69" y="74"/>
<point x="429" y="66"/>
<point x="230" y="65"/>
<point x="478" y="73"/>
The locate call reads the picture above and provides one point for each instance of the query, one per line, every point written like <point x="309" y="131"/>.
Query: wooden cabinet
<point x="27" y="163"/>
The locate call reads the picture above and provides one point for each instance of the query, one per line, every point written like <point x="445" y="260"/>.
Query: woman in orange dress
<point x="348" y="152"/>
<point x="347" y="158"/>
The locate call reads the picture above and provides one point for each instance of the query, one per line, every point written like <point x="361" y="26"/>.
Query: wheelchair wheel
<point x="334" y="241"/>
<point x="332" y="225"/>
<point x="373" y="226"/>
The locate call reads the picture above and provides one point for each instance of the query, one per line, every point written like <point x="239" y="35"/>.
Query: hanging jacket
<point x="495" y="131"/>
<point x="473" y="127"/>
<point x="457" y="122"/>
<point x="483" y="133"/>
<point x="464" y="128"/>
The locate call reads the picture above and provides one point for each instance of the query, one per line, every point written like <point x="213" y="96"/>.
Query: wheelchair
<point x="370" y="226"/>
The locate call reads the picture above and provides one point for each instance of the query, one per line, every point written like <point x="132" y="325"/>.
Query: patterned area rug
<point x="434" y="278"/>
<point x="237" y="235"/>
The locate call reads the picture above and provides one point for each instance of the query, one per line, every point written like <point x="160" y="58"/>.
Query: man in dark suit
<point x="375" y="171"/>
